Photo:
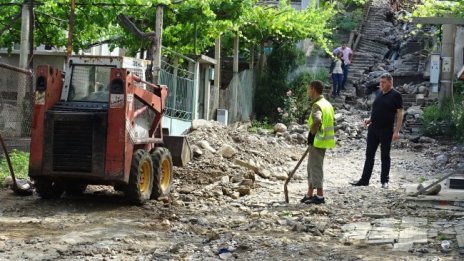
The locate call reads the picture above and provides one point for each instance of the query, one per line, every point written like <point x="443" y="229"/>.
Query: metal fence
<point x="238" y="97"/>
<point x="178" y="74"/>
<point x="16" y="101"/>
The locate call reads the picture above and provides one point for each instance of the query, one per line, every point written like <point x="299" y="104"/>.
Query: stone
<point x="414" y="110"/>
<point x="247" y="182"/>
<point x="225" y="180"/>
<point x="196" y="151"/>
<point x="248" y="165"/>
<point x="420" y="99"/>
<point x="201" y="123"/>
<point x="280" y="128"/>
<point x="442" y="159"/>
<point x="227" y="151"/>
<point x="280" y="175"/>
<point x="424" y="139"/>
<point x="404" y="247"/>
<point x="205" y="145"/>
<point x="460" y="240"/>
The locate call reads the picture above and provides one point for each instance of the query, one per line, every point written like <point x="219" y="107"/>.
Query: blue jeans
<point x="346" y="69"/>
<point x="337" y="80"/>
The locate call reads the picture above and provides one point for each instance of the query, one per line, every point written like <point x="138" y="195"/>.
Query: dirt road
<point x="202" y="224"/>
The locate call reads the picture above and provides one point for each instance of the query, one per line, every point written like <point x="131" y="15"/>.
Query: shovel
<point x="24" y="189"/>
<point x="293" y="172"/>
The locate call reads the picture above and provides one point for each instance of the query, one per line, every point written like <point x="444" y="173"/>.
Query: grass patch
<point x="264" y="124"/>
<point x="20" y="163"/>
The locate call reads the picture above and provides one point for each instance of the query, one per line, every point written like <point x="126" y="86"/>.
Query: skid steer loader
<point x="101" y="124"/>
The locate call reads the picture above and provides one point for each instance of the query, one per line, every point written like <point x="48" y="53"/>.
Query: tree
<point x="438" y="8"/>
<point x="190" y="25"/>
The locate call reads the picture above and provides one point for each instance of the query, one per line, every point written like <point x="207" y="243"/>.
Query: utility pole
<point x="447" y="51"/>
<point x="158" y="43"/>
<point x="71" y="29"/>
<point x="23" y="64"/>
<point x="447" y="68"/>
<point x="217" y="76"/>
<point x="31" y="34"/>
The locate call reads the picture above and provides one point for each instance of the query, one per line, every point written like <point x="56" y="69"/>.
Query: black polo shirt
<point x="384" y="109"/>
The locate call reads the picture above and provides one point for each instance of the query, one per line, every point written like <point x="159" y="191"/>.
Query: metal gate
<point x="177" y="72"/>
<point x="16" y="100"/>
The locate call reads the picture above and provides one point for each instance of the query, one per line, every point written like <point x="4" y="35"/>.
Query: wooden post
<point x="31" y="34"/>
<point x="217" y="77"/>
<point x="71" y="29"/>
<point x="158" y="43"/>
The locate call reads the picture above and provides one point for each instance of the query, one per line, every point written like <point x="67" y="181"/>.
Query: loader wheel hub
<point x="144" y="176"/>
<point x="165" y="174"/>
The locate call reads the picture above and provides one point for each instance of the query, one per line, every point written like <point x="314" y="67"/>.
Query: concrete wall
<point x="9" y="84"/>
<point x="459" y="49"/>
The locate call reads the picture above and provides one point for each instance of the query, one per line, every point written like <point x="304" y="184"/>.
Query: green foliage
<point x="20" y="162"/>
<point x="299" y="88"/>
<point x="435" y="121"/>
<point x="272" y="87"/>
<point x="188" y="25"/>
<point x="458" y="87"/>
<point x="264" y="124"/>
<point x="285" y="25"/>
<point x="439" y="8"/>
<point x="288" y="111"/>
<point x="347" y="22"/>
<point x="441" y="236"/>
<point x="445" y="120"/>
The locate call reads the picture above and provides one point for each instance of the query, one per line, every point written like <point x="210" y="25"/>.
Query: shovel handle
<point x="9" y="162"/>
<point x="293" y="172"/>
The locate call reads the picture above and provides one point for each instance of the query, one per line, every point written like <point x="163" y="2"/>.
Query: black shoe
<point x="316" y="200"/>
<point x="359" y="184"/>
<point x="305" y="198"/>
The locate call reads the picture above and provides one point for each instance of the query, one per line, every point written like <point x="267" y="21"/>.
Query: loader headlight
<point x="117" y="86"/>
<point x="41" y="84"/>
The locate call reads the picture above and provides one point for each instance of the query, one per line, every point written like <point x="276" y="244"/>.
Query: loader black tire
<point x="162" y="170"/>
<point x="140" y="185"/>
<point x="74" y="189"/>
<point x="47" y="188"/>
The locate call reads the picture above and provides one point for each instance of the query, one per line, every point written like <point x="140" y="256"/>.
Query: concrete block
<point x="413" y="235"/>
<point x="413" y="222"/>
<point x="404" y="247"/>
<point x="460" y="239"/>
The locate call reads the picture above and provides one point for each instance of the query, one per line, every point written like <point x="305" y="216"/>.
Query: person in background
<point x="387" y="106"/>
<point x="336" y="71"/>
<point x="347" y="56"/>
<point x="321" y="137"/>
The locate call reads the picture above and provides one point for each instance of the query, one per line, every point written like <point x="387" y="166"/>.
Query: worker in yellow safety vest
<point x="321" y="137"/>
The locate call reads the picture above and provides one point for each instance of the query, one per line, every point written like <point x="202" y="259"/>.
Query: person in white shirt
<point x="347" y="56"/>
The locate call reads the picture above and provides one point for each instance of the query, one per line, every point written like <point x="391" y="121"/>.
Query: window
<point x="90" y="83"/>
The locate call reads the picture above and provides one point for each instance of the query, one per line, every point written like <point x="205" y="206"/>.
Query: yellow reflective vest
<point x="325" y="136"/>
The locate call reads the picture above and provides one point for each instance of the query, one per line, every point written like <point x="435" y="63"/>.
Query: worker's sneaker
<point x="315" y="200"/>
<point x="385" y="185"/>
<point x="305" y="198"/>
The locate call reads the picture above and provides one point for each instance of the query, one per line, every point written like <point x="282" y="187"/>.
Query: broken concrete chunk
<point x="227" y="151"/>
<point x="264" y="173"/>
<point x="196" y="151"/>
<point x="246" y="165"/>
<point x="200" y="123"/>
<point x="280" y="128"/>
<point x="205" y="145"/>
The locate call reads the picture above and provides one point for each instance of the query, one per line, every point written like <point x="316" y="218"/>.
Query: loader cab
<point x="89" y="83"/>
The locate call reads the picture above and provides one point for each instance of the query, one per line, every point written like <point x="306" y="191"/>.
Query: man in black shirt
<point x="387" y="106"/>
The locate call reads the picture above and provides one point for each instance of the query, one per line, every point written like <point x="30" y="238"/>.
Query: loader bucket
<point x="179" y="148"/>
